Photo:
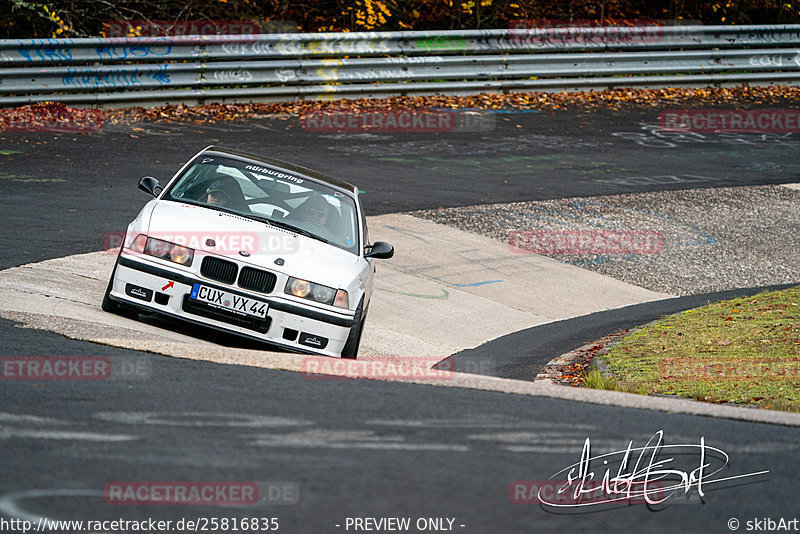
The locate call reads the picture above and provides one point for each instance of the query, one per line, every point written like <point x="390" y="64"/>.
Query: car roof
<point x="286" y="166"/>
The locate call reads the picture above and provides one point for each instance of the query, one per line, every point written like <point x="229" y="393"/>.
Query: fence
<point x="280" y="67"/>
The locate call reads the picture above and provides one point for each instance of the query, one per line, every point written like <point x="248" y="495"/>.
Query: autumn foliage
<point x="88" y="18"/>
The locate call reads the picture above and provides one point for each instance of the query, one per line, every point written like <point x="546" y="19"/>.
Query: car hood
<point x="302" y="256"/>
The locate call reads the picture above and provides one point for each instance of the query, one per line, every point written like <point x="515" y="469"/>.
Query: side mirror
<point x="380" y="250"/>
<point x="148" y="184"/>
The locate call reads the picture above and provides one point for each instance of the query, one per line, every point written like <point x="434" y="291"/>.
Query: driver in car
<point x="217" y="194"/>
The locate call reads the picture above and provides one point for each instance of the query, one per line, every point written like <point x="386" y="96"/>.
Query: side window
<point x="349" y="224"/>
<point x="183" y="189"/>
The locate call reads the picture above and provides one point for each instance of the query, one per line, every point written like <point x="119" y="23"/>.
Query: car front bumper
<point x="146" y="285"/>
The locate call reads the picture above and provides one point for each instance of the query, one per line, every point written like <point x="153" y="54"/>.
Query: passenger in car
<point x="314" y="209"/>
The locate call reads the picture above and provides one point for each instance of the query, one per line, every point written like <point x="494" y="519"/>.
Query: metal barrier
<point x="279" y="67"/>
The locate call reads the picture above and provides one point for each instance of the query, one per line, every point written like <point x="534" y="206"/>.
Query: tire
<point x="111" y="306"/>
<point x="350" y="350"/>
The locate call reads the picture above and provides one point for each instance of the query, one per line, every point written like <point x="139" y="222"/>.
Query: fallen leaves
<point x="579" y="101"/>
<point x="574" y="373"/>
<point x="50" y="116"/>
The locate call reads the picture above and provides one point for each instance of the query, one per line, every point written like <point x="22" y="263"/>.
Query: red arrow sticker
<point x="169" y="285"/>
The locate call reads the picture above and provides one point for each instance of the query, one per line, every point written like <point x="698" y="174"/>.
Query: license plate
<point x="229" y="301"/>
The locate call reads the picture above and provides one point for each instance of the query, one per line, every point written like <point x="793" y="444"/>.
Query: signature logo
<point x="650" y="474"/>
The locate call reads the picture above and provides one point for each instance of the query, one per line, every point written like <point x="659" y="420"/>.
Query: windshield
<point x="269" y="194"/>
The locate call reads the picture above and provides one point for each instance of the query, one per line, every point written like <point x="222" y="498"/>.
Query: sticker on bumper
<point x="139" y="292"/>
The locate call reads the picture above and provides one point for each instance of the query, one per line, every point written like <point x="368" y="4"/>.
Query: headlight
<point x="181" y="255"/>
<point x="163" y="249"/>
<point x="298" y="288"/>
<point x="316" y="292"/>
<point x="322" y="293"/>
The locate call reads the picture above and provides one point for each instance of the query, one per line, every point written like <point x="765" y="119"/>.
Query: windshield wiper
<point x="292" y="228"/>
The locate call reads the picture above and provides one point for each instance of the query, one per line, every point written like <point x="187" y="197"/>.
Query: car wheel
<point x="350" y="350"/>
<point x="112" y="306"/>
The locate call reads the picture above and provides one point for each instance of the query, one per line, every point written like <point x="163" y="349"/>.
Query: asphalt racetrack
<point x="325" y="452"/>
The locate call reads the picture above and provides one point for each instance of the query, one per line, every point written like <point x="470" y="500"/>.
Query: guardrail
<point x="279" y="67"/>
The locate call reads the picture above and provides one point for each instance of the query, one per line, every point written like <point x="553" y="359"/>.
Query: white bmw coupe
<point x="252" y="246"/>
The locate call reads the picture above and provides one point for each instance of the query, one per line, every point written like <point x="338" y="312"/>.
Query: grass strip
<point x="743" y="351"/>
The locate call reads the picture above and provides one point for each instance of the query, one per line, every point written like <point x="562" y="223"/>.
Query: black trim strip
<point x="155" y="271"/>
<point x="148" y="309"/>
<point x="280" y="306"/>
<point x="316" y="315"/>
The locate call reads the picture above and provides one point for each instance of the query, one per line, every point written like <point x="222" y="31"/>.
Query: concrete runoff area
<point x="683" y="242"/>
<point x="445" y="290"/>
